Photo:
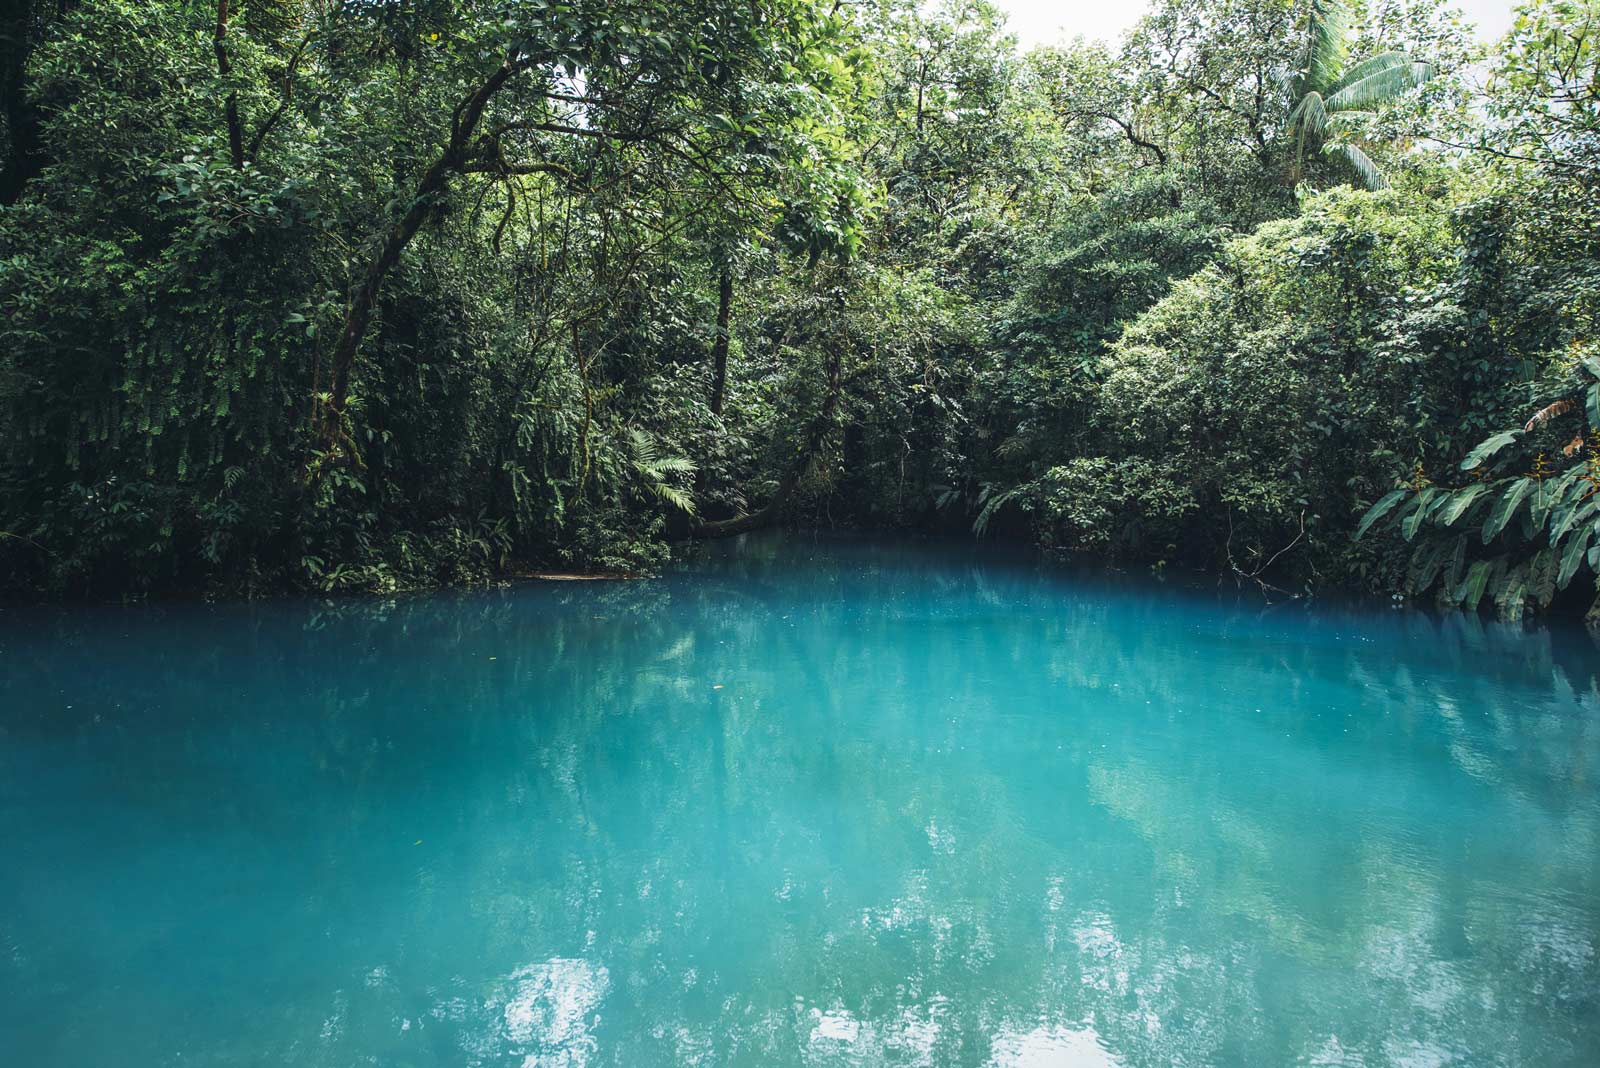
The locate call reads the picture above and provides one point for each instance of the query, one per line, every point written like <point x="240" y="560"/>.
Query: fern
<point x="656" y="470"/>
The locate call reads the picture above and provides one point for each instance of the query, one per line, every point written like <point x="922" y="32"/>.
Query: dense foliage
<point x="328" y="294"/>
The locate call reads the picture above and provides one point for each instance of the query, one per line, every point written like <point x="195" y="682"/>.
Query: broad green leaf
<point x="1381" y="509"/>
<point x="1570" y="515"/>
<point x="1542" y="577"/>
<point x="1509" y="593"/>
<point x="1488" y="448"/>
<point x="1470" y="592"/>
<point x="1410" y="524"/>
<point x="1501" y="514"/>
<point x="1572" y="556"/>
<point x="1458" y="559"/>
<point x="1459" y="501"/>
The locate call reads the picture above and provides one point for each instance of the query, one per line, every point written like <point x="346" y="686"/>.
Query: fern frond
<point x="643" y="445"/>
<point x="679" y="499"/>
<point x="993" y="505"/>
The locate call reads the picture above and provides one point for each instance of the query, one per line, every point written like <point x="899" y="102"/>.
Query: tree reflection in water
<point x="799" y="804"/>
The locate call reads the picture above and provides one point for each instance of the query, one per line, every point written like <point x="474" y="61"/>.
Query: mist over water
<point x="798" y="803"/>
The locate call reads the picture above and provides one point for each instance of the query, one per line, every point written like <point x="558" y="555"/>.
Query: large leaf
<point x="1410" y="524"/>
<point x="1458" y="560"/>
<point x="1551" y="493"/>
<point x="1487" y="448"/>
<point x="1542" y="577"/>
<point x="1572" y="555"/>
<point x="1592" y="406"/>
<point x="1426" y="563"/>
<point x="1470" y="592"/>
<point x="1385" y="504"/>
<point x="1329" y="45"/>
<point x="1368" y="67"/>
<point x="1502" y="512"/>
<point x="1359" y="162"/>
<point x="1384" y="78"/>
<point x="1510" y="593"/>
<point x="1568" y="516"/>
<point x="1458" y="503"/>
<point x="1309" y="119"/>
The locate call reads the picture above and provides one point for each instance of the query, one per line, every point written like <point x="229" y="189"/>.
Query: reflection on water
<point x="798" y="805"/>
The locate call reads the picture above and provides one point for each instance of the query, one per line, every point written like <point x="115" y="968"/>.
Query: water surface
<point x="798" y="804"/>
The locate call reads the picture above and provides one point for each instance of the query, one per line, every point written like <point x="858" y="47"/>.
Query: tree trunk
<point x="230" y="106"/>
<point x="815" y="438"/>
<point x="20" y="31"/>
<point x="364" y="296"/>
<point x="719" y="347"/>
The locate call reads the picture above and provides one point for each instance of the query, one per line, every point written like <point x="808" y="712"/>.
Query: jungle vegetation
<point x="377" y="294"/>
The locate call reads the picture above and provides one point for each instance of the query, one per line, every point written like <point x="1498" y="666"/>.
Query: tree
<point x="1330" y="93"/>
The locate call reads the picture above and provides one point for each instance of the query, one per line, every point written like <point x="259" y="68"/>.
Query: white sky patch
<point x="1039" y="22"/>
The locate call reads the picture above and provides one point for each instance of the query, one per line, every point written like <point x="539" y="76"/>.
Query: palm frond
<point x="643" y="445"/>
<point x="1309" y="119"/>
<point x="1368" y="67"/>
<point x="1359" y="162"/>
<point x="1380" y="86"/>
<point x="995" y="502"/>
<point x="655" y="469"/>
<point x="1329" y="45"/>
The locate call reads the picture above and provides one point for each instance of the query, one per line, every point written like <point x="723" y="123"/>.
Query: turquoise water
<point x="798" y="804"/>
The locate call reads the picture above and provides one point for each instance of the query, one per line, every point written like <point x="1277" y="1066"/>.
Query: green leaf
<point x="1330" y="43"/>
<point x="1458" y="559"/>
<point x="1458" y="503"/>
<point x="1425" y="565"/>
<point x="1502" y="513"/>
<point x="1510" y="592"/>
<point x="1409" y="525"/>
<point x="1381" y="509"/>
<point x="1542" y="577"/>
<point x="1572" y="556"/>
<point x="1488" y="448"/>
<point x="1470" y="592"/>
<point x="1592" y="405"/>
<point x="1568" y="516"/>
<point x="1370" y="175"/>
<point x="1378" y="81"/>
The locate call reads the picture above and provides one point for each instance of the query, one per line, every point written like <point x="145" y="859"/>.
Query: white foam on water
<point x="551" y="1008"/>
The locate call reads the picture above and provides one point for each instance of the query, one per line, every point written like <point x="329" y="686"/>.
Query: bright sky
<point x="1047" y="21"/>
